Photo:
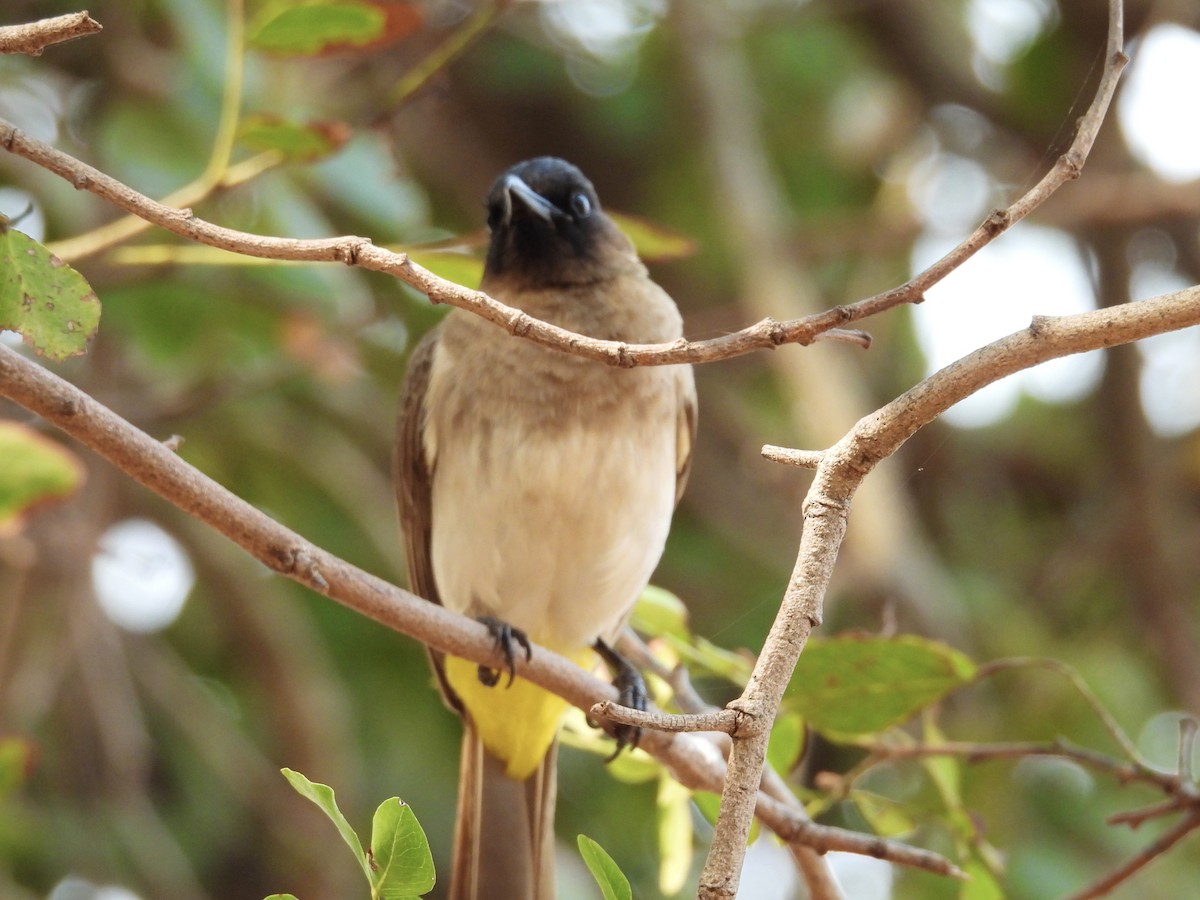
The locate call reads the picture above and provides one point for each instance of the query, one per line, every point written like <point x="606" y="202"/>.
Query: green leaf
<point x="400" y="852"/>
<point x="630" y="768"/>
<point x="659" y="612"/>
<point x="33" y="470"/>
<point x="701" y="653"/>
<point x="326" y="26"/>
<point x="453" y="265"/>
<point x="653" y="242"/>
<point x="48" y="302"/>
<point x="786" y="742"/>
<point x="946" y="774"/>
<point x="613" y="883"/>
<point x="856" y="685"/>
<point x="322" y="795"/>
<point x="885" y="816"/>
<point x="981" y="883"/>
<point x="16" y="759"/>
<point x="297" y="141"/>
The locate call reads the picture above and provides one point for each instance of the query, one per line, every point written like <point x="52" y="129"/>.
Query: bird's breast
<point x="552" y="496"/>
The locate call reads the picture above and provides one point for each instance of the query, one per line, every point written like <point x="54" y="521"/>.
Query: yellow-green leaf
<point x="48" y="302"/>
<point x="980" y="884"/>
<point x="786" y="742"/>
<point x="674" y="835"/>
<point x="453" y="265"/>
<point x="855" y="685"/>
<point x="612" y="881"/>
<point x="296" y="141"/>
<point x="403" y="865"/>
<point x="885" y="816"/>
<point x="322" y="795"/>
<point x="317" y="27"/>
<point x="659" y="612"/>
<point x="700" y="653"/>
<point x="33" y="470"/>
<point x="654" y="243"/>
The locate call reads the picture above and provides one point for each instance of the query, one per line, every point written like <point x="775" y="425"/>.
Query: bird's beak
<point x="514" y="187"/>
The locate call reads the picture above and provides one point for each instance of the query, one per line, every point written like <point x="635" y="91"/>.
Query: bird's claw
<point x="631" y="692"/>
<point x="507" y="639"/>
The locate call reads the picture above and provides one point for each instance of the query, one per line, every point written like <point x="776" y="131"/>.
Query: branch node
<point x="1039" y="324"/>
<point x="347" y="252"/>
<point x="519" y="323"/>
<point x="1072" y="162"/>
<point x="996" y="223"/>
<point x="174" y="442"/>
<point x="624" y="359"/>
<point x="81" y="181"/>
<point x="748" y="720"/>
<point x="776" y="333"/>
<point x="297" y="560"/>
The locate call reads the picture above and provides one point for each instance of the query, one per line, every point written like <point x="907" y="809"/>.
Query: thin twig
<point x="804" y="459"/>
<point x="1123" y="771"/>
<point x="1147" y="855"/>
<point x="722" y="720"/>
<point x="359" y="251"/>
<point x="458" y="41"/>
<point x="152" y="463"/>
<point x="217" y="170"/>
<point x="847" y="463"/>
<point x="816" y="873"/>
<point x="1136" y="818"/>
<point x="1111" y="725"/>
<point x="33" y="38"/>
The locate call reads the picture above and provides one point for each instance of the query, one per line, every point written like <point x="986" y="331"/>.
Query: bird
<point x="536" y="490"/>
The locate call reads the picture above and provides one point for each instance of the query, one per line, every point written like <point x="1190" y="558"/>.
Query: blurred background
<point x="153" y="678"/>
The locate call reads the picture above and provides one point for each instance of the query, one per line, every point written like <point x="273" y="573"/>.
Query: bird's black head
<point x="547" y="226"/>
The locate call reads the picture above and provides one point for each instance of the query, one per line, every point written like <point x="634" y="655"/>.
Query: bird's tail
<point x="504" y="830"/>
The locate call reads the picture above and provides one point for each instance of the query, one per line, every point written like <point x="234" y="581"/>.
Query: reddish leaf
<point x="297" y="141"/>
<point x="323" y="27"/>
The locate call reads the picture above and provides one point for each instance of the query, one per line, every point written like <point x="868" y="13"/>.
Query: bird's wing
<point x="413" y="469"/>
<point x="685" y="425"/>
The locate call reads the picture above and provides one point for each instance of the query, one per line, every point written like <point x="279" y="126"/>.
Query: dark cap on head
<point x="547" y="227"/>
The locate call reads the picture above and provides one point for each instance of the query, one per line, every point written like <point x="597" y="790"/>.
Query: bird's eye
<point x="581" y="206"/>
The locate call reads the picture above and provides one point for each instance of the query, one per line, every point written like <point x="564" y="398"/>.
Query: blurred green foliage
<point x="1067" y="531"/>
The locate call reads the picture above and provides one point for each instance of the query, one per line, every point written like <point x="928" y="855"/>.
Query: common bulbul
<point x="535" y="491"/>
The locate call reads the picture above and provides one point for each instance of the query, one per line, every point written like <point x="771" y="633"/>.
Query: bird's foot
<point x="507" y="639"/>
<point x="631" y="692"/>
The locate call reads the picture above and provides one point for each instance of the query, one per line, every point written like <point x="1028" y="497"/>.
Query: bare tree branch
<point x="839" y="472"/>
<point x="843" y="467"/>
<point x="1147" y="855"/>
<point x="877" y="436"/>
<point x="692" y="760"/>
<point x="766" y="334"/>
<point x="33" y="38"/>
<point x="1182" y="793"/>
